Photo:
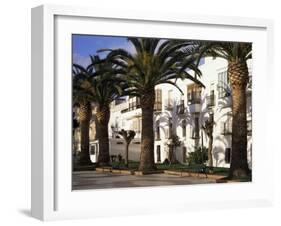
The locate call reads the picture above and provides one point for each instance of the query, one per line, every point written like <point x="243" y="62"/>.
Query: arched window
<point x="157" y="131"/>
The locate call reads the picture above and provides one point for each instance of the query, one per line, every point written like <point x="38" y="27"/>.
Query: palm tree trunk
<point x="172" y="157"/>
<point x="147" y="134"/>
<point x="238" y="75"/>
<point x="103" y="115"/>
<point x="127" y="155"/>
<point x="85" y="113"/>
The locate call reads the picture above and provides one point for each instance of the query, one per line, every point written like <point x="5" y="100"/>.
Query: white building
<point x="182" y="115"/>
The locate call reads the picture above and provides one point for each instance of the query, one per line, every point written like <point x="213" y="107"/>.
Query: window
<point x="93" y="150"/>
<point x="137" y="102"/>
<point x="136" y="125"/>
<point x="130" y="104"/>
<point x="158" y="100"/>
<point x="194" y="94"/>
<point x="170" y="128"/>
<point x="211" y="99"/>
<point x="134" y="103"/>
<point x="184" y="128"/>
<point x="120" y="100"/>
<point x="184" y="154"/>
<point x="158" y="153"/>
<point x="196" y="127"/>
<point x="157" y="133"/>
<point x="226" y="127"/>
<point x="223" y="85"/>
<point x="227" y="155"/>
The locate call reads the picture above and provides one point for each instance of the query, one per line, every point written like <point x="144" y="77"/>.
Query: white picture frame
<point x="53" y="199"/>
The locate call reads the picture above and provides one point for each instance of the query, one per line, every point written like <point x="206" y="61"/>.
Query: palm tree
<point x="128" y="136"/>
<point x="82" y="96"/>
<point x="155" y="62"/>
<point x="208" y="127"/>
<point x="106" y="87"/>
<point x="173" y="143"/>
<point x="237" y="55"/>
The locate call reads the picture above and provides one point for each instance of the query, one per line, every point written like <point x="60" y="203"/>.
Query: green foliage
<point x="175" y="141"/>
<point x="128" y="135"/>
<point x="155" y="62"/>
<point x="98" y="82"/>
<point x="231" y="51"/>
<point x="199" y="156"/>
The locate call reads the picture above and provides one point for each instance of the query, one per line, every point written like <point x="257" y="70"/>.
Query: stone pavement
<point x="98" y="180"/>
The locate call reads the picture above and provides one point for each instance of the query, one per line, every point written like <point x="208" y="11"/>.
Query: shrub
<point x="198" y="156"/>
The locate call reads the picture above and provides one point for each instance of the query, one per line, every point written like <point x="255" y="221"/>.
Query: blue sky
<point x="85" y="45"/>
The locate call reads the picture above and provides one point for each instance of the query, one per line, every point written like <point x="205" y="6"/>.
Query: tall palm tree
<point x="208" y="127"/>
<point x="236" y="55"/>
<point x="155" y="61"/>
<point x="83" y="96"/>
<point x="105" y="87"/>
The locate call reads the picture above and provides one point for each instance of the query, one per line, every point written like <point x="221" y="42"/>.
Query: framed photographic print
<point x="135" y="112"/>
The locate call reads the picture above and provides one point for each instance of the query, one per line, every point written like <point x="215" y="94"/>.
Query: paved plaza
<point x="99" y="180"/>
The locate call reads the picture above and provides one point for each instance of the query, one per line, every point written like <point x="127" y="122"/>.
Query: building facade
<point x="181" y="114"/>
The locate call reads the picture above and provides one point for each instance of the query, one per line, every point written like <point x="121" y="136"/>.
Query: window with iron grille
<point x="157" y="132"/>
<point x="158" y="100"/>
<point x="134" y="103"/>
<point x="223" y="85"/>
<point x="93" y="150"/>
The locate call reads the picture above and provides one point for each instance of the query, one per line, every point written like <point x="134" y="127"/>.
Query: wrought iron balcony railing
<point x="194" y="100"/>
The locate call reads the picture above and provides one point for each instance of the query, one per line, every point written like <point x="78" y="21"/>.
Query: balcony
<point x="194" y="106"/>
<point x="210" y="101"/>
<point x="124" y="110"/>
